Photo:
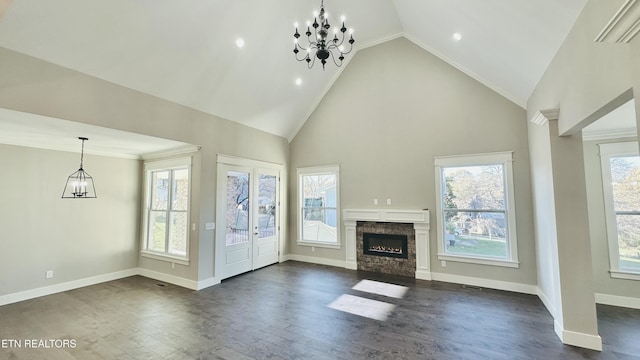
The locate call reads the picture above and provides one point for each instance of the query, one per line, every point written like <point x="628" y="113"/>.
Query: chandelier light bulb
<point x="295" y="24"/>
<point x="342" y="18"/>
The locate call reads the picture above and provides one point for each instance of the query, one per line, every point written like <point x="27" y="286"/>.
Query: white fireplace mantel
<point x="419" y="219"/>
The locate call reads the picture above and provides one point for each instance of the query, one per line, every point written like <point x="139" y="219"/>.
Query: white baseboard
<point x="65" y="286"/>
<point x="423" y="275"/>
<point x="171" y="279"/>
<point x="317" y="260"/>
<point x="486" y="283"/>
<point x="75" y="284"/>
<point x="588" y="341"/>
<point x="614" y="300"/>
<point x="203" y="284"/>
<point x="547" y="303"/>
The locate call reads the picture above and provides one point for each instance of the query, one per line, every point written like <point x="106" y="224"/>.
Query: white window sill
<point x="165" y="257"/>
<point x="480" y="261"/>
<point x="319" y="244"/>
<point x="621" y="274"/>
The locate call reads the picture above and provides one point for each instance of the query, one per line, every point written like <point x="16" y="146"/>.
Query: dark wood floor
<point x="280" y="312"/>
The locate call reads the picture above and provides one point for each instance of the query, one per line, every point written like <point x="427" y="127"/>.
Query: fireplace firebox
<point x="394" y="246"/>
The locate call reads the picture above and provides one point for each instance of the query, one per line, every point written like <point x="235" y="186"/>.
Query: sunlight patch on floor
<point x="372" y="309"/>
<point x="380" y="288"/>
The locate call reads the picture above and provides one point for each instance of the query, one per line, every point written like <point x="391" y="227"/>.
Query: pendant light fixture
<point x="79" y="184"/>
<point x="319" y="44"/>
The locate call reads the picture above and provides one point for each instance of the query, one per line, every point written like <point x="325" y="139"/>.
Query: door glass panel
<point x="267" y="206"/>
<point x="237" y="207"/>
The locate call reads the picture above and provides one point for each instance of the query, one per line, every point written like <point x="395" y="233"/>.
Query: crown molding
<point x="172" y="152"/>
<point x="624" y="25"/>
<point x="541" y="117"/>
<point x="609" y="134"/>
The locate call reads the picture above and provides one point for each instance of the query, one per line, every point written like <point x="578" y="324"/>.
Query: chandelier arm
<point x="334" y="59"/>
<point x="303" y="59"/>
<point x="310" y="64"/>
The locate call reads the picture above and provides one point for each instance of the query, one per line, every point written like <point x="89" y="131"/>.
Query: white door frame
<point x="220" y="206"/>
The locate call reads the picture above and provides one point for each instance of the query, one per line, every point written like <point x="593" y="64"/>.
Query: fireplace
<point x="386" y="247"/>
<point x="394" y="246"/>
<point x="413" y="223"/>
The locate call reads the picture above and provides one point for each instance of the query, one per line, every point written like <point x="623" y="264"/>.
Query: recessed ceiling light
<point x="298" y="81"/>
<point x="240" y="42"/>
<point x="457" y="36"/>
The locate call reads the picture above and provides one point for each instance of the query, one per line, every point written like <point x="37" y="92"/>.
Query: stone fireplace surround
<point x="419" y="219"/>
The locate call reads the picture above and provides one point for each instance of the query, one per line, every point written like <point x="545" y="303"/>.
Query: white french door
<point x="248" y="219"/>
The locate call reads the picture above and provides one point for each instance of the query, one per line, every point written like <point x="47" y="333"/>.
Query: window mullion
<point x="168" y="213"/>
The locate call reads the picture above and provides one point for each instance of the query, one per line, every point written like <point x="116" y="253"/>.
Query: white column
<point x="350" y="244"/>
<point x="423" y="271"/>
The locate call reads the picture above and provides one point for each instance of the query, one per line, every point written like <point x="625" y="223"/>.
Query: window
<point x="621" y="184"/>
<point x="475" y="209"/>
<point x="319" y="206"/>
<point x="166" y="217"/>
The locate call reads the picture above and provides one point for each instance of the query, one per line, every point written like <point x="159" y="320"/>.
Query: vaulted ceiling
<point x="186" y="52"/>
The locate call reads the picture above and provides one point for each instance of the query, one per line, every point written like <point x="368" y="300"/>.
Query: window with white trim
<point x="621" y="184"/>
<point x="166" y="215"/>
<point x="475" y="209"/>
<point x="319" y="206"/>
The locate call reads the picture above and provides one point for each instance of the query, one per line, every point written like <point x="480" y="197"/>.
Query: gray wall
<point x="34" y="86"/>
<point x="392" y="110"/>
<point x="74" y="238"/>
<point x="604" y="283"/>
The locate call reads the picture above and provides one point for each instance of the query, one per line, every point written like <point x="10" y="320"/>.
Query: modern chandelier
<point x="320" y="46"/>
<point x="79" y="184"/>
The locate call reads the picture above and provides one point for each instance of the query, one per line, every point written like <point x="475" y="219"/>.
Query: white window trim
<point x="607" y="151"/>
<point x="319" y="170"/>
<point x="504" y="158"/>
<point x="168" y="164"/>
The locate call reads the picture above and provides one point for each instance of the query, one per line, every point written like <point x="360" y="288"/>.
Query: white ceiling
<point x="186" y="52"/>
<point x="23" y="129"/>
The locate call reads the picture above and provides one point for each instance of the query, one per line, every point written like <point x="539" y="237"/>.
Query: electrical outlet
<point x="375" y="201"/>
<point x="443" y="263"/>
<point x="388" y="201"/>
<point x="313" y="249"/>
<point x="48" y="274"/>
<point x="210" y="226"/>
